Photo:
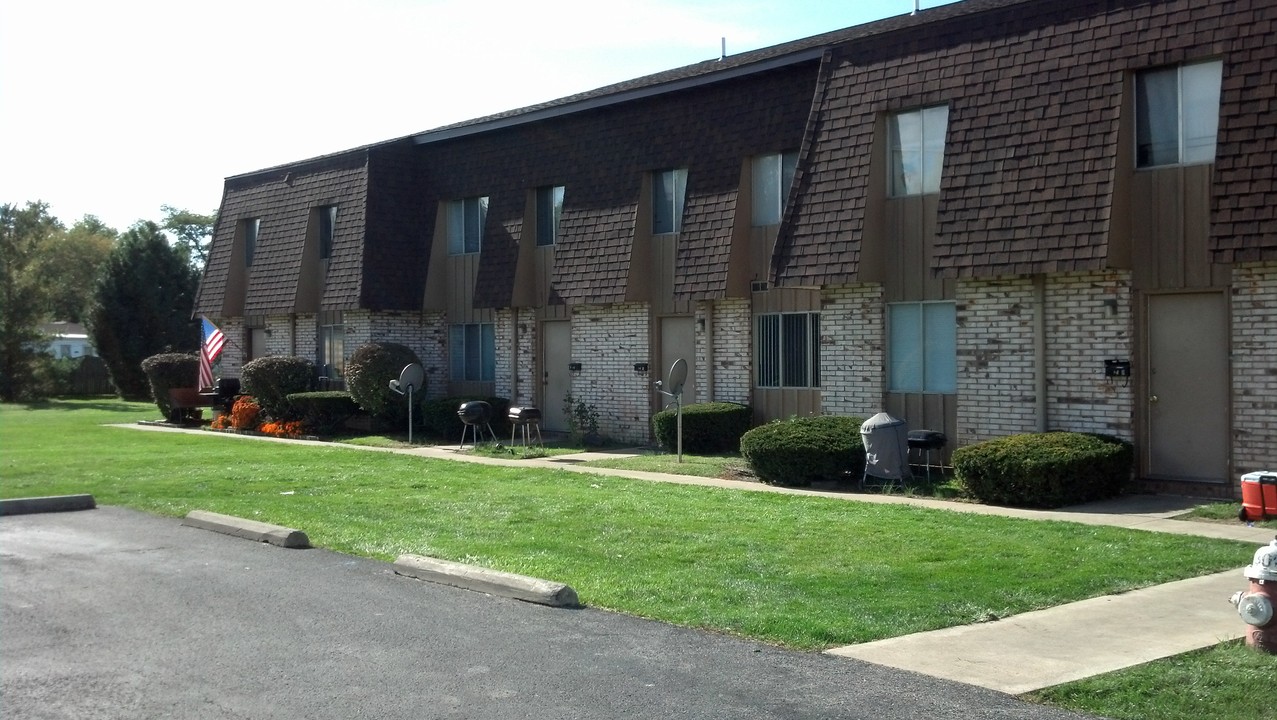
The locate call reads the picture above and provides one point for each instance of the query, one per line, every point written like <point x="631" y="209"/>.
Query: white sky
<point x="116" y="107"/>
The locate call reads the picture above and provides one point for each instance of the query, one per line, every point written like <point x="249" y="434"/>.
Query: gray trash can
<point x="886" y="441"/>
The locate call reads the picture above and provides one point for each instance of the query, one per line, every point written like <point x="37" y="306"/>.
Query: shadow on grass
<point x="104" y="403"/>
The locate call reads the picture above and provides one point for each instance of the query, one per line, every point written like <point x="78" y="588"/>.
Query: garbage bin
<point x="886" y="441"/>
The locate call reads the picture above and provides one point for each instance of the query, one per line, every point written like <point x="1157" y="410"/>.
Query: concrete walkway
<point x="1024" y="652"/>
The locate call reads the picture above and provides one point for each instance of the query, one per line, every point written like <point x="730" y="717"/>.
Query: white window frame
<point x="787" y="350"/>
<point x="549" y="210"/>
<point x="466" y="220"/>
<point x="1194" y="119"/>
<point x="466" y="362"/>
<point x="915" y="150"/>
<point x="922" y="352"/>
<point x="669" y="195"/>
<point x="770" y="179"/>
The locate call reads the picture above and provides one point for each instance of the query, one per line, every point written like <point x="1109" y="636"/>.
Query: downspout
<point x="1039" y="351"/>
<point x="709" y="352"/>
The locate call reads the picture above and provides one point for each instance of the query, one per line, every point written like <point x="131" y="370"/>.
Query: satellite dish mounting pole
<point x="677" y="377"/>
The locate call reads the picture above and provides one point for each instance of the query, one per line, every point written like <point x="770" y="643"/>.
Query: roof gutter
<point x="619" y="97"/>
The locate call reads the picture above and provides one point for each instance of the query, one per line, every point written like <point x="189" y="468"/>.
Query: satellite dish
<point x="410" y="378"/>
<point x="394" y="385"/>
<point x="677" y="376"/>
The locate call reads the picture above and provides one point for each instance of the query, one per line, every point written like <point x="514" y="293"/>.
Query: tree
<point x="69" y="263"/>
<point x="23" y="298"/>
<point x="193" y="231"/>
<point x="142" y="305"/>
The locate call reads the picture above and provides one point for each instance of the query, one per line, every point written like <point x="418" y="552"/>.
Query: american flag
<point x="209" y="350"/>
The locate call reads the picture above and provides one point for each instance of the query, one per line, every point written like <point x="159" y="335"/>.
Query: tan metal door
<point x="556" y="380"/>
<point x="678" y="340"/>
<point x="1188" y="381"/>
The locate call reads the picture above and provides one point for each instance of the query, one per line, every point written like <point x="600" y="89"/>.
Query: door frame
<point x="1143" y="388"/>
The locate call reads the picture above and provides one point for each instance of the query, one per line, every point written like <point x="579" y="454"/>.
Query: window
<point x="916" y="146"/>
<point x="465" y="225"/>
<point x="772" y="175"/>
<point x="1177" y="114"/>
<point x="922" y="347"/>
<point x="473" y="348"/>
<point x="549" y="210"/>
<point x="327" y="224"/>
<point x="788" y="347"/>
<point x="668" y="189"/>
<point x="251" y="228"/>
<point x="65" y="350"/>
<point x="332" y="345"/>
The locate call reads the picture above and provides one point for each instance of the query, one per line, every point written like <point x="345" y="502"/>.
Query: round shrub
<point x="272" y="379"/>
<point x="167" y="371"/>
<point x="708" y="428"/>
<point x="1045" y="470"/>
<point x="324" y="412"/>
<point x="799" y="451"/>
<point x="368" y="376"/>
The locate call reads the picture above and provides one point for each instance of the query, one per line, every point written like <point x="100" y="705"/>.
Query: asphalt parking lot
<point x="114" y="613"/>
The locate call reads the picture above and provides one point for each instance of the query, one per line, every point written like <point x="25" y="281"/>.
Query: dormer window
<point x="251" y="228"/>
<point x="1177" y="114"/>
<point x="916" y="150"/>
<point x="327" y="226"/>
<point x="549" y="210"/>
<point x="771" y="176"/>
<point x="465" y="225"/>
<point x="668" y="190"/>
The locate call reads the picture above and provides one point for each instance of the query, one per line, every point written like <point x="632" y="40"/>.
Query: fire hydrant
<point x="1256" y="605"/>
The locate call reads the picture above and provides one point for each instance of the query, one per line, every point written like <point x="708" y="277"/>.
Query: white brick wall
<point x="525" y="365"/>
<point x="1254" y="330"/>
<point x="425" y="333"/>
<point x="1088" y="320"/>
<point x="607" y="341"/>
<point x="730" y="321"/>
<point x="851" y="350"/>
<point x="232" y="358"/>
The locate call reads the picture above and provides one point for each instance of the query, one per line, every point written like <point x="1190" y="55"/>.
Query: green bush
<point x="801" y="450"/>
<point x="708" y="428"/>
<point x="439" y="417"/>
<point x="1045" y="470"/>
<point x="368" y="376"/>
<point x="323" y="412"/>
<point x="272" y="379"/>
<point x="170" y="370"/>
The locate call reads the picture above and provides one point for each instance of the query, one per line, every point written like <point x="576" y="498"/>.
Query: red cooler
<point x="1259" y="496"/>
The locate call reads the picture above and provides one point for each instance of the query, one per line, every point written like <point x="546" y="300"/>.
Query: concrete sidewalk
<point x="1032" y="650"/>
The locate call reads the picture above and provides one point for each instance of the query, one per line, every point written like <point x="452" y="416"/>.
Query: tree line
<point x="133" y="290"/>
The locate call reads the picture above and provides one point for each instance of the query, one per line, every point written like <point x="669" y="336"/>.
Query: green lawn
<point x="799" y="571"/>
<point x="1222" y="512"/>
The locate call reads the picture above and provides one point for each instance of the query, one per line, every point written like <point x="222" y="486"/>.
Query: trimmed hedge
<point x="323" y="412"/>
<point x="368" y="376"/>
<point x="439" y="417"/>
<point x="1045" y="470"/>
<point x="799" y="451"/>
<point x="708" y="428"/>
<point x="166" y="371"/>
<point x="272" y="379"/>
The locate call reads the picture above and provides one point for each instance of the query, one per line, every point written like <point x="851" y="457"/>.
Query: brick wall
<point x="607" y="340"/>
<point x="730" y="321"/>
<point x="231" y="360"/>
<point x="1088" y="320"/>
<point x="852" y="378"/>
<point x="1254" y="369"/>
<point x="525" y="364"/>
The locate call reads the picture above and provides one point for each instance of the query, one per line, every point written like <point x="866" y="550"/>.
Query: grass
<point x="1227" y="682"/>
<point x="710" y="466"/>
<point x="798" y="571"/>
<point x="1222" y="512"/>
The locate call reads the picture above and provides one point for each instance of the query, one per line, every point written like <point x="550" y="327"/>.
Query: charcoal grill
<point x="475" y="414"/>
<point x="526" y="418"/>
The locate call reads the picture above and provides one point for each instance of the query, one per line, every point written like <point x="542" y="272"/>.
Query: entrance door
<point x="678" y="340"/>
<point x="556" y="381"/>
<point x="1188" y="338"/>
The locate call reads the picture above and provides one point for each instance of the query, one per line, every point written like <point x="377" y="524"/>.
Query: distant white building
<point x="67" y="340"/>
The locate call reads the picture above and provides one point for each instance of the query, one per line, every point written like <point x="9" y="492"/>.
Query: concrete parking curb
<point x="493" y="582"/>
<point x="250" y="529"/>
<point x="53" y="503"/>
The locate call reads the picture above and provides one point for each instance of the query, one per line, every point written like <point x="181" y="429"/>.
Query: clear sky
<point x="116" y="107"/>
